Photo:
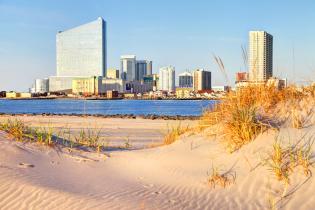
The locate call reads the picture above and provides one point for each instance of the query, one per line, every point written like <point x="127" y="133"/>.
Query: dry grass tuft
<point x="15" y="128"/>
<point x="280" y="162"/>
<point x="242" y="126"/>
<point x="250" y="111"/>
<point x="297" y="112"/>
<point x="20" y="132"/>
<point x="174" y="134"/>
<point x="297" y="119"/>
<point x="303" y="157"/>
<point x="283" y="160"/>
<point x="89" y="137"/>
<point x="221" y="179"/>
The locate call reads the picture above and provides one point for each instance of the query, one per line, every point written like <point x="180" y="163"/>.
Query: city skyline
<point x="184" y="41"/>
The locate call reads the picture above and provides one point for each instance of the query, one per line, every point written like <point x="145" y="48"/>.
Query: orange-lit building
<point x="241" y="76"/>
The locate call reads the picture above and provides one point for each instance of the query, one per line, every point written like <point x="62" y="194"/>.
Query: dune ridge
<point x="167" y="177"/>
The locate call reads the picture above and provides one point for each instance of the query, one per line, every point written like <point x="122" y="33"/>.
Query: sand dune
<point x="167" y="177"/>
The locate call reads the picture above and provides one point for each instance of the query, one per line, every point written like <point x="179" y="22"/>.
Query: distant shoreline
<point x="122" y="116"/>
<point x="109" y="99"/>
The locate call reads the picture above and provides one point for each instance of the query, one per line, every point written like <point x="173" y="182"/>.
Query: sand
<point x="33" y="176"/>
<point x="140" y="133"/>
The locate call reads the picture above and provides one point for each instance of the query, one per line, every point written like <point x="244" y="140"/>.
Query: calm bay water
<point x="106" y="107"/>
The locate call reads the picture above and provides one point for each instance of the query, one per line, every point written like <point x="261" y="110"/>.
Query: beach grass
<point x="283" y="160"/>
<point x="217" y="178"/>
<point x="174" y="133"/>
<point x="20" y="132"/>
<point x="244" y="114"/>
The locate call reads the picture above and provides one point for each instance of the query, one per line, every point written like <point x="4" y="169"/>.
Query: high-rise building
<point x="202" y="80"/>
<point x="112" y="73"/>
<point x="185" y="79"/>
<point x="128" y="67"/>
<point x="149" y="67"/>
<point x="81" y="51"/>
<point x="141" y="69"/>
<point x="167" y="79"/>
<point x="260" y="56"/>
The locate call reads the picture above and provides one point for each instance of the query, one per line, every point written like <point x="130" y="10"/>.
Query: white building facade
<point x="113" y="84"/>
<point x="128" y="67"/>
<point x="167" y="79"/>
<point x="60" y="84"/>
<point x="260" y="56"/>
<point x="41" y="85"/>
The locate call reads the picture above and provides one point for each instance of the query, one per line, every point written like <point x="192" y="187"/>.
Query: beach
<point x="175" y="176"/>
<point x="139" y="132"/>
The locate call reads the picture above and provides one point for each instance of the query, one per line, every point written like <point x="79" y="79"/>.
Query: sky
<point x="183" y="33"/>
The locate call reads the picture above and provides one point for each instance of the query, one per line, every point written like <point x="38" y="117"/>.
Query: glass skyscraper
<point x="141" y="69"/>
<point x="185" y="79"/>
<point x="81" y="51"/>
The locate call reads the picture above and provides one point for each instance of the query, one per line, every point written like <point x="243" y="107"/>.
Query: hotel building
<point x="167" y="79"/>
<point x="128" y="67"/>
<point x="81" y="52"/>
<point x="260" y="56"/>
<point x="141" y="69"/>
<point x="185" y="79"/>
<point x="202" y="80"/>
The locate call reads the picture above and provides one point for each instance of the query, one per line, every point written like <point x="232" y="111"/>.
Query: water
<point x="106" y="107"/>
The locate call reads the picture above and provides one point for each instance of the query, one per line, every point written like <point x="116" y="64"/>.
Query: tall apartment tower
<point x="81" y="51"/>
<point x="202" y="80"/>
<point x="260" y="56"/>
<point x="128" y="67"/>
<point x="149" y="67"/>
<point x="141" y="69"/>
<point x="185" y="79"/>
<point x="167" y="79"/>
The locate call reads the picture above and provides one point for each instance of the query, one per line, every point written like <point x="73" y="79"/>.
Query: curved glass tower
<point x="81" y="51"/>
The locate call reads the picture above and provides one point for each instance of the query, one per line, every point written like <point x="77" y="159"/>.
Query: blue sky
<point x="183" y="33"/>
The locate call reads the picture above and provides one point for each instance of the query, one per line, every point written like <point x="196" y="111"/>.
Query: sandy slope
<point x="168" y="177"/>
<point x="114" y="131"/>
